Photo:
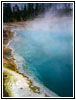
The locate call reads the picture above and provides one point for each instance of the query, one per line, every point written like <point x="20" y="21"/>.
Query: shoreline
<point x="35" y="90"/>
<point x="7" y="78"/>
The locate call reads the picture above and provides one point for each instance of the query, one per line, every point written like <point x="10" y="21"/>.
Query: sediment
<point x="14" y="83"/>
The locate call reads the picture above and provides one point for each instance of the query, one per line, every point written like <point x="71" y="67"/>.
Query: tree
<point x="24" y="13"/>
<point x="67" y="5"/>
<point x="36" y="9"/>
<point x="4" y="12"/>
<point x="16" y="12"/>
<point x="42" y="8"/>
<point x="67" y="8"/>
<point x="49" y="5"/>
<point x="30" y="9"/>
<point x="7" y="12"/>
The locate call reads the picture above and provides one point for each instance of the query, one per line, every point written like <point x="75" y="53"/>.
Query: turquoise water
<point x="49" y="55"/>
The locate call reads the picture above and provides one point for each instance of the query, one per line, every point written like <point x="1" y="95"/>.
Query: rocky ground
<point x="14" y="83"/>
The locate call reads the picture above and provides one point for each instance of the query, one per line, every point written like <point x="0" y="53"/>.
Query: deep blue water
<point x="50" y="57"/>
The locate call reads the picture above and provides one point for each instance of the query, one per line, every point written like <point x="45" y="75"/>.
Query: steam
<point x="47" y="37"/>
<point x="51" y="20"/>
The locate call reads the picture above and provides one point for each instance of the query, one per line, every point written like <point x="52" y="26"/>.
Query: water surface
<point x="49" y="56"/>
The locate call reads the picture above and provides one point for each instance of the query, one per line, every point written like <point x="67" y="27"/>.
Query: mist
<point x="43" y="50"/>
<point x="51" y="20"/>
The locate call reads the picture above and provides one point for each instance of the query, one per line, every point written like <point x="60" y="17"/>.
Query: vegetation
<point x="30" y="10"/>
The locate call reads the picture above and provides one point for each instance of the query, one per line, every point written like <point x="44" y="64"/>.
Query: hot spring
<point x="46" y="47"/>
